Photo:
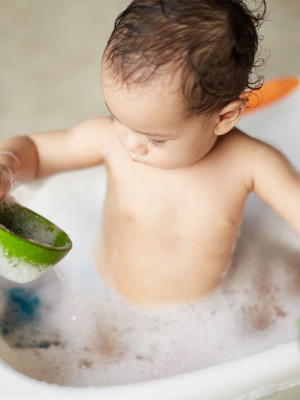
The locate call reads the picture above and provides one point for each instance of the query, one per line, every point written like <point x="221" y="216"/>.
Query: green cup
<point x="29" y="243"/>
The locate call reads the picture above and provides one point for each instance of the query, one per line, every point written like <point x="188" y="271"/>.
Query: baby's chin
<point x="169" y="164"/>
<point x="163" y="166"/>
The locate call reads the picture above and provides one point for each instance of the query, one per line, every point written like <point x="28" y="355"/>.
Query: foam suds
<point x="33" y="232"/>
<point x="113" y="341"/>
<point x="17" y="270"/>
<point x="116" y="342"/>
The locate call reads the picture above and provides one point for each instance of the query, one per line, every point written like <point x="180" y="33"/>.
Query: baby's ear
<point x="229" y="116"/>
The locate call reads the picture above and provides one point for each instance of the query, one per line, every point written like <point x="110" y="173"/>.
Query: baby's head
<point x="175" y="73"/>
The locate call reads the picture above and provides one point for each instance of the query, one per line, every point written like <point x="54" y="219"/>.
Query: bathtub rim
<point x="249" y="375"/>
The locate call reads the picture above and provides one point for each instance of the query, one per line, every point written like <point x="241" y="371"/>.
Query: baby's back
<point x="168" y="235"/>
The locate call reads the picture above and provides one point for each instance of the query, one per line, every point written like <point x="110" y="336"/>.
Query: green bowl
<point x="29" y="243"/>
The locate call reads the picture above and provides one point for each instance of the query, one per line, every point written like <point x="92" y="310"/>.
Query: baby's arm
<point x="275" y="182"/>
<point x="42" y="154"/>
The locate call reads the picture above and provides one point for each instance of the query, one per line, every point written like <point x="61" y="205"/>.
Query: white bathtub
<point x="255" y="376"/>
<point x="252" y="377"/>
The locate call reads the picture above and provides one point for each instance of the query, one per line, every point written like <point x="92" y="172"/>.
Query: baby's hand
<point x="6" y="180"/>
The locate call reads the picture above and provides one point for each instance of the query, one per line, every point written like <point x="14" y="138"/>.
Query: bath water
<point x="58" y="274"/>
<point x="113" y="341"/>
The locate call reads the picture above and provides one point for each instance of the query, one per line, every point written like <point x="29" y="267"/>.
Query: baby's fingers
<point x="6" y="181"/>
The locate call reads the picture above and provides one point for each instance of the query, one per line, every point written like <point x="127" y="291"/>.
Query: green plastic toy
<point x="29" y="243"/>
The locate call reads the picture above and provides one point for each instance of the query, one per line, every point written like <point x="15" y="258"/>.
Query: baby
<point x="174" y="78"/>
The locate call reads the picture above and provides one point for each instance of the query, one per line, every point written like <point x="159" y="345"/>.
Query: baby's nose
<point x="134" y="144"/>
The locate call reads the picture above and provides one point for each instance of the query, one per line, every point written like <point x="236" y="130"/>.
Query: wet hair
<point x="212" y="43"/>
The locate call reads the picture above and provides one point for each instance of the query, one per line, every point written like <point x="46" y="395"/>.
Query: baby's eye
<point x="156" y="143"/>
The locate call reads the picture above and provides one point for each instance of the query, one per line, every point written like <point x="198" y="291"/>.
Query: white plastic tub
<point x="273" y="366"/>
<point x="252" y="377"/>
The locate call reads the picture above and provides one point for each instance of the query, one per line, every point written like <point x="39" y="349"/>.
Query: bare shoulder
<point x="238" y="140"/>
<point x="256" y="157"/>
<point x="90" y="141"/>
<point x="258" y="153"/>
<point x="95" y="127"/>
<point x="238" y="146"/>
<point x="94" y="136"/>
<point x="245" y="152"/>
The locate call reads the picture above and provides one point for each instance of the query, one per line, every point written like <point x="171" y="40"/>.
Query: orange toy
<point x="271" y="92"/>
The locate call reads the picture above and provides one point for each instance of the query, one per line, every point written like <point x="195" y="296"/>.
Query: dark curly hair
<point x="213" y="43"/>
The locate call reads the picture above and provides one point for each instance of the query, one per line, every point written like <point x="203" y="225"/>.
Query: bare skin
<point x="169" y="234"/>
<point x="173" y="210"/>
